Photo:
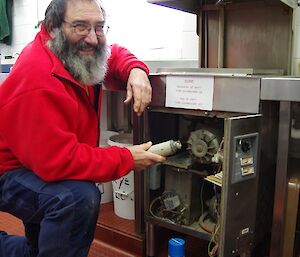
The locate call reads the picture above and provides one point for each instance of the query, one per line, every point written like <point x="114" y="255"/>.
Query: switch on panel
<point x="245" y="157"/>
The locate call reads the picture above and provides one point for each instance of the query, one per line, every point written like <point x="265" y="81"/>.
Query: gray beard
<point x="88" y="70"/>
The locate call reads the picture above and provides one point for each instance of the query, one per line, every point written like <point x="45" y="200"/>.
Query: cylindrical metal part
<point x="166" y="148"/>
<point x="150" y="240"/>
<point x="154" y="177"/>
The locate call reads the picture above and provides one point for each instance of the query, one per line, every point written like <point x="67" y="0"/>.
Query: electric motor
<point x="202" y="145"/>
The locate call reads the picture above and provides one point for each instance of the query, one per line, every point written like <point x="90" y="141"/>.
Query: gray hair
<point x="55" y="13"/>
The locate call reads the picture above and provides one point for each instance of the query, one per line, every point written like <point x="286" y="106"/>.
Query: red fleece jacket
<point x="47" y="120"/>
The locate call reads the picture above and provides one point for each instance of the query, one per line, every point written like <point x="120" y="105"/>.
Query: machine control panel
<point x="245" y="157"/>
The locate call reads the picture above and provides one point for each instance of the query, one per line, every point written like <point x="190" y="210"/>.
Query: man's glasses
<point x="83" y="29"/>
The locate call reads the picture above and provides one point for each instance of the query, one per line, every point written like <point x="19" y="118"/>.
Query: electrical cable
<point x="202" y="219"/>
<point x="161" y="209"/>
<point x="154" y="215"/>
<point x="201" y="196"/>
<point x="213" y="252"/>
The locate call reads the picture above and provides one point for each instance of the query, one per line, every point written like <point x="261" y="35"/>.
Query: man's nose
<point x="91" y="38"/>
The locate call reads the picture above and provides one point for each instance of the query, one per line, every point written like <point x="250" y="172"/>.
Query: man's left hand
<point x="138" y="88"/>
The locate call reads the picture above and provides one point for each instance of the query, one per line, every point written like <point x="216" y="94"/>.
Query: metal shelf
<point x="193" y="230"/>
<point x="193" y="6"/>
<point x="190" y="6"/>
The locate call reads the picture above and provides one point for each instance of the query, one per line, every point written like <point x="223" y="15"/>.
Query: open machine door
<point x="239" y="185"/>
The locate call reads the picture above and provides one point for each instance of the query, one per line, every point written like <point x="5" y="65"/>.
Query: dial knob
<point x="245" y="146"/>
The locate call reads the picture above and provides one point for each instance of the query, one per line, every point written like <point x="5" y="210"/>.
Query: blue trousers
<point x="59" y="218"/>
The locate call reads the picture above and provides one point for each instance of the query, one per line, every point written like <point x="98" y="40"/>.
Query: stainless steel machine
<point x="220" y="186"/>
<point x="209" y="189"/>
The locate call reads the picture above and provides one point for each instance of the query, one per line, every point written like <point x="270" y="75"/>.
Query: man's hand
<point x="138" y="88"/>
<point x="142" y="158"/>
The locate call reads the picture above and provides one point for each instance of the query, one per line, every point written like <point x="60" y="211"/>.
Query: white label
<point x="191" y="92"/>
<point x="245" y="231"/>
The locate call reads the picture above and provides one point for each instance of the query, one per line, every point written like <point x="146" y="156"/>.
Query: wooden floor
<point x="117" y="234"/>
<point x="10" y="224"/>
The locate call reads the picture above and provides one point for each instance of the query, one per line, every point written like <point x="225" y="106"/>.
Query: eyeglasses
<point x="83" y="29"/>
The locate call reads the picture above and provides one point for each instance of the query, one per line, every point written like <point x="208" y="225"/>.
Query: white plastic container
<point x="106" y="188"/>
<point x="123" y="195"/>
<point x="106" y="192"/>
<point x="123" y="188"/>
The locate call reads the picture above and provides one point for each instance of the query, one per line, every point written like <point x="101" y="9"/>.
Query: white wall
<point x="151" y="32"/>
<point x="23" y="31"/>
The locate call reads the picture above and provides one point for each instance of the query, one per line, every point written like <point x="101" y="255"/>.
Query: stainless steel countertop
<point x="280" y="89"/>
<point x="235" y="90"/>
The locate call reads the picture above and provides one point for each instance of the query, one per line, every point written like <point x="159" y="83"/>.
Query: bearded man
<point x="49" y="131"/>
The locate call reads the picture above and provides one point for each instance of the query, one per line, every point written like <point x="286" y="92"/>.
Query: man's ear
<point x="51" y="33"/>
